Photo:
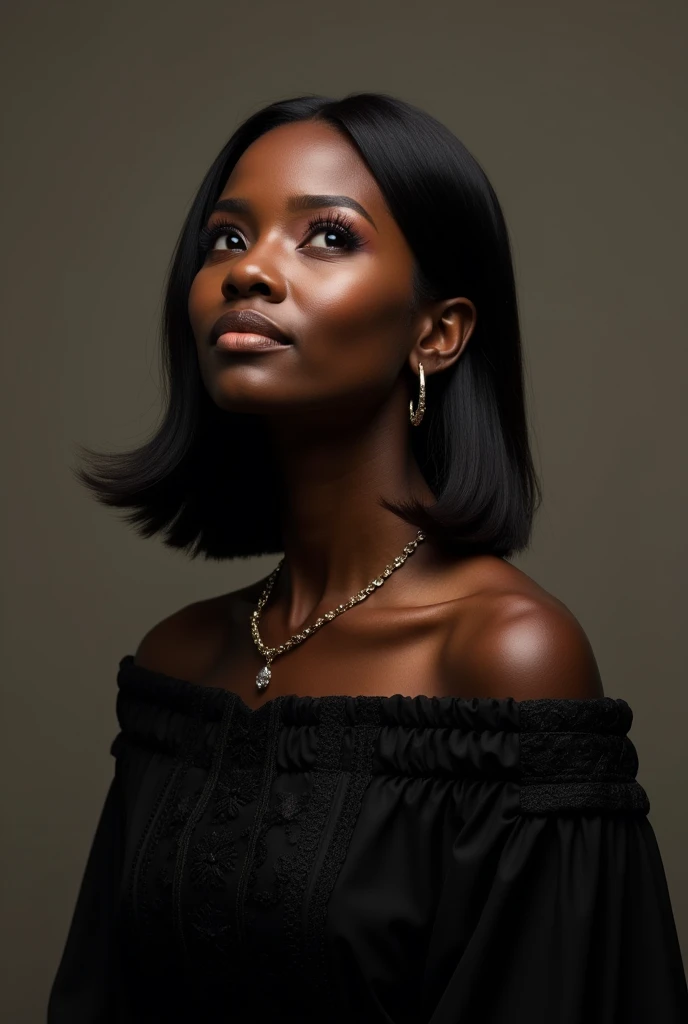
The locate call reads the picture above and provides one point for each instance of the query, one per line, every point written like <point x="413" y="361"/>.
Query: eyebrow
<point x="301" y="202"/>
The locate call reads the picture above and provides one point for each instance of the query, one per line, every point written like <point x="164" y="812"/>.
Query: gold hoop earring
<point x="417" y="416"/>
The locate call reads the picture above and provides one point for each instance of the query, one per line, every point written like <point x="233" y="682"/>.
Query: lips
<point x="247" y="321"/>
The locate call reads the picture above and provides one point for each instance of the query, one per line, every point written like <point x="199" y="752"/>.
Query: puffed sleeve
<point x="555" y="907"/>
<point x="87" y="987"/>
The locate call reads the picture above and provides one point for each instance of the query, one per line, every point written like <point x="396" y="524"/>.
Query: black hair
<point x="207" y="479"/>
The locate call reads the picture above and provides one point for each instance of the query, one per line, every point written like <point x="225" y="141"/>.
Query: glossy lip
<point x="233" y="342"/>
<point x="247" y="321"/>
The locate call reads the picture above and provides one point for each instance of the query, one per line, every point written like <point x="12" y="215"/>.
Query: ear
<point x="447" y="328"/>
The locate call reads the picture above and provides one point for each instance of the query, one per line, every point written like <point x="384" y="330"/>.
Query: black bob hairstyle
<point x="472" y="446"/>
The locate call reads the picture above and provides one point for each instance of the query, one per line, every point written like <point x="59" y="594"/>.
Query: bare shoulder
<point x="186" y="643"/>
<point x="512" y="638"/>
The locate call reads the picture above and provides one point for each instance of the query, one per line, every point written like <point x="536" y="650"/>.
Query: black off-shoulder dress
<point x="392" y="860"/>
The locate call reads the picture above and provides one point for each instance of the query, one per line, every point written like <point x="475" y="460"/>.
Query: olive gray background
<point x="111" y="117"/>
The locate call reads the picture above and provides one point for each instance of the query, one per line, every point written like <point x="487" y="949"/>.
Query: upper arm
<point x="526" y="648"/>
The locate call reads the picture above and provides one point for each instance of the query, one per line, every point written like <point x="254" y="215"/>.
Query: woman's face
<point x="334" y="274"/>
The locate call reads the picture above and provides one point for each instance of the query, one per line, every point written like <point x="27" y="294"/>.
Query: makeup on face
<point x="241" y="342"/>
<point x="247" y="330"/>
<point x="308" y="245"/>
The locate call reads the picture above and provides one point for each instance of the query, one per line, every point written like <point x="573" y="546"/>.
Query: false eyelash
<point x="332" y="222"/>
<point x="337" y="222"/>
<point x="207" y="236"/>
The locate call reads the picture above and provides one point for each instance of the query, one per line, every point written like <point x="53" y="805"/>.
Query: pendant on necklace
<point x="263" y="677"/>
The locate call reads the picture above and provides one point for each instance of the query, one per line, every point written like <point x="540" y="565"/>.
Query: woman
<point x="384" y="783"/>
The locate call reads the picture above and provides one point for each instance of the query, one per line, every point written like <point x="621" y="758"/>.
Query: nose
<point x="252" y="274"/>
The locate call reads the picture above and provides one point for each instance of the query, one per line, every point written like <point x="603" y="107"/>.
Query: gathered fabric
<point x="392" y="860"/>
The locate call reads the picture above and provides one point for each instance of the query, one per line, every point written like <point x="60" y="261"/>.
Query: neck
<point x="337" y="538"/>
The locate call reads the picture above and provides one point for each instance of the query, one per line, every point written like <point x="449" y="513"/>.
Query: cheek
<point x="358" y="306"/>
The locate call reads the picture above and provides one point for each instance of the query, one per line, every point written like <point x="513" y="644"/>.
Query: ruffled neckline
<point x="600" y="714"/>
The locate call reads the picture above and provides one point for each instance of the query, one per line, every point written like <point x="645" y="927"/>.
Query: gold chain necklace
<point x="270" y="653"/>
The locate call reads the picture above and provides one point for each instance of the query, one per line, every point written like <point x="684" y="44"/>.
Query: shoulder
<point x="511" y="638"/>
<point x="186" y="643"/>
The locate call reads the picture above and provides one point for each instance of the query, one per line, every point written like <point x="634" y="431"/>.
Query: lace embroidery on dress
<point x="232" y="793"/>
<point x="294" y="872"/>
<point x="191" y="839"/>
<point x="575" y="755"/>
<point x="270" y="716"/>
<point x="215" y="854"/>
<point x="233" y="782"/>
<point x="368" y="714"/>
<point x="153" y="910"/>
<point x="288" y="812"/>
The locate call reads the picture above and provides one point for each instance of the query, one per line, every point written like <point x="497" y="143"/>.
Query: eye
<point x="329" y="238"/>
<point x="230" y="240"/>
<point x="336" y="232"/>
<point x="220" y="237"/>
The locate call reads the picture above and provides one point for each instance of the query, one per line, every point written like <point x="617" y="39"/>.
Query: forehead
<point x="304" y="157"/>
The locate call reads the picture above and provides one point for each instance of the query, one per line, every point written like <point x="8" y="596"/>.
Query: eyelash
<point x="332" y="222"/>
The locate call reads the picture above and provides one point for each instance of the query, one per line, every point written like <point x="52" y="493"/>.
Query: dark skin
<point x="336" y="404"/>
